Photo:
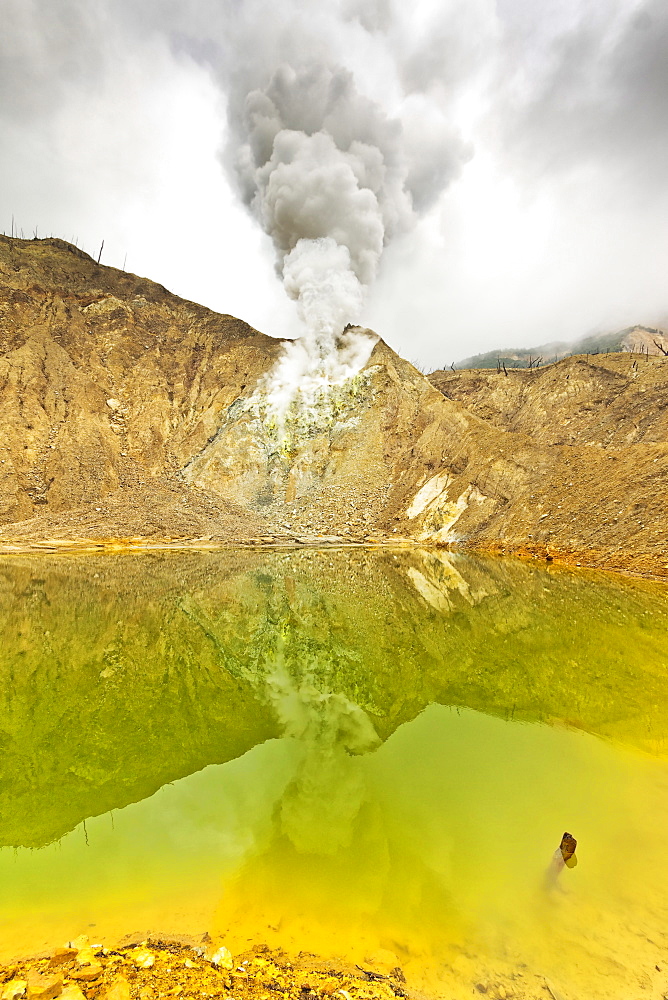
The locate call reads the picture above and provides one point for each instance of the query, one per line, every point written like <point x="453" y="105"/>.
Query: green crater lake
<point x="364" y="754"/>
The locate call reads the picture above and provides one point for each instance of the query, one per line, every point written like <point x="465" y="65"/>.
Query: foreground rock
<point x="132" y="417"/>
<point x="179" y="969"/>
<point x="186" y="970"/>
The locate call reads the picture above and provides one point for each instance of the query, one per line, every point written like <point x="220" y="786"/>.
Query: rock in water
<point x="222" y="958"/>
<point x="86" y="956"/>
<point x="87" y="973"/>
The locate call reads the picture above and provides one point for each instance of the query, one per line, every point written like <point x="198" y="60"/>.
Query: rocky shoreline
<point x="181" y="966"/>
<point x="138" y="969"/>
<point x="643" y="565"/>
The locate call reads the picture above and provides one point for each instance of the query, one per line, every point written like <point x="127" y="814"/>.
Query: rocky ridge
<point x="133" y="417"/>
<point x="636" y="339"/>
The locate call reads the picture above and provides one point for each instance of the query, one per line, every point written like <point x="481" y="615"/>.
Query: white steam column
<point x="329" y="176"/>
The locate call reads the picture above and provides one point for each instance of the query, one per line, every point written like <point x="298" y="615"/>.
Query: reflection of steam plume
<point x="331" y="178"/>
<point x="327" y="791"/>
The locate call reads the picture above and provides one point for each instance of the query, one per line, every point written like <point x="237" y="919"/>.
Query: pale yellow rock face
<point x="118" y="990"/>
<point x="130" y="416"/>
<point x="43" y="986"/>
<point x="13" y="989"/>
<point x="73" y="992"/>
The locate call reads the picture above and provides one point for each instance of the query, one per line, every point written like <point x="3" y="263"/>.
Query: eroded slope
<point x="108" y="383"/>
<point x="600" y="487"/>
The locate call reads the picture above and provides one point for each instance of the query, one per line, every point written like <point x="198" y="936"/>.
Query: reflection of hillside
<point x="120" y="673"/>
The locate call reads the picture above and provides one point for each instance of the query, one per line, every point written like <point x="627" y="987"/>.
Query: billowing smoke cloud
<point x="331" y="179"/>
<point x="316" y="159"/>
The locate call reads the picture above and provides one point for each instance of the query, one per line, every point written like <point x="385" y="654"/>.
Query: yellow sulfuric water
<point x="370" y="756"/>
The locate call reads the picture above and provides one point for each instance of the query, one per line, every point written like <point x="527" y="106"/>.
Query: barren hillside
<point x="600" y="425"/>
<point x="130" y="415"/>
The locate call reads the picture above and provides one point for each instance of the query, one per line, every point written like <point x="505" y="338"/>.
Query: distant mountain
<point x="642" y="339"/>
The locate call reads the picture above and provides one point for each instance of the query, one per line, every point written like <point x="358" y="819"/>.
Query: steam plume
<point x="329" y="176"/>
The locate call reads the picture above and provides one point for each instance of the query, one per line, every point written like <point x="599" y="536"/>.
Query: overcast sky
<point x="545" y="218"/>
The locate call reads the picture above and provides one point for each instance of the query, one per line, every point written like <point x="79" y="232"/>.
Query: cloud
<point x="599" y="98"/>
<point x="46" y="52"/>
